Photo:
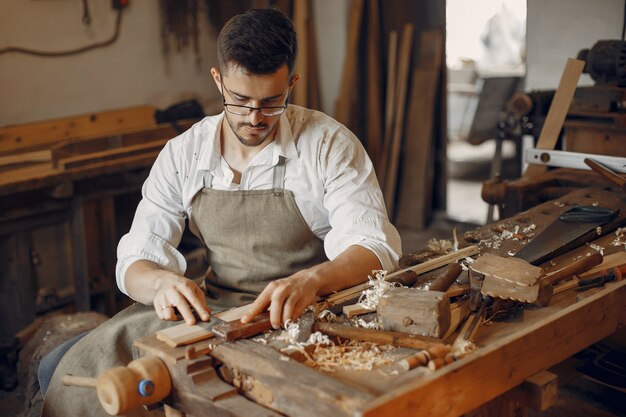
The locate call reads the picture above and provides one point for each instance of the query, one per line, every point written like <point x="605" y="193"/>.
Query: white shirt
<point x="326" y="168"/>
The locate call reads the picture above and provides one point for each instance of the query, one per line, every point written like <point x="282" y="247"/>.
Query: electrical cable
<point x="52" y="54"/>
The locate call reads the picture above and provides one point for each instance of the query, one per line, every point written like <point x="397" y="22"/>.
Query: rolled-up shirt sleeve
<point x="159" y="221"/>
<point x="354" y="201"/>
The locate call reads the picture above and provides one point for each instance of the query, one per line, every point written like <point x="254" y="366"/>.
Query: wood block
<point x="183" y="334"/>
<point x="232" y="314"/>
<point x="513" y="270"/>
<point x="538" y="392"/>
<point x="356" y="310"/>
<point x="235" y="330"/>
<point x="415" y="311"/>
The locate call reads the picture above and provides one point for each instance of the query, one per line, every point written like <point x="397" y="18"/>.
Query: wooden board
<point x="235" y="330"/>
<point x="183" y="334"/>
<point x="374" y="127"/>
<point x="404" y="66"/>
<point x="146" y="149"/>
<point x="38" y="135"/>
<point x="557" y="112"/>
<point x="260" y="371"/>
<point x="512" y="270"/>
<point x="390" y="105"/>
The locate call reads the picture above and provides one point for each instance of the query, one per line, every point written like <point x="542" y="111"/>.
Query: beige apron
<point x="252" y="238"/>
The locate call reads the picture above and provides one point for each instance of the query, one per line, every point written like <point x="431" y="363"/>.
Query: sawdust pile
<point x="348" y="355"/>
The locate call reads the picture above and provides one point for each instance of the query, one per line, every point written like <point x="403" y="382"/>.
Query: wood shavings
<point x="439" y="246"/>
<point x="620" y="239"/>
<point x="348" y="355"/>
<point x="328" y="316"/>
<point x="598" y="248"/>
<point x="455" y="246"/>
<point x="366" y="324"/>
<point x="526" y="230"/>
<point x="599" y="230"/>
<point x="462" y="347"/>
<point x="370" y="297"/>
<point x="595" y="203"/>
<point x="559" y="204"/>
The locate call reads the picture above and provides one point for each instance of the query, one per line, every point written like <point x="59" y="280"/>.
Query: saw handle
<point x="575" y="268"/>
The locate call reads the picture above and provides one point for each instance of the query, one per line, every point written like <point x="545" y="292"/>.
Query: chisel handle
<point x="575" y="268"/>
<point x="447" y="278"/>
<point x="545" y="287"/>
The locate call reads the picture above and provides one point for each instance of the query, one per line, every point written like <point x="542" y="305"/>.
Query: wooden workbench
<point x="510" y="351"/>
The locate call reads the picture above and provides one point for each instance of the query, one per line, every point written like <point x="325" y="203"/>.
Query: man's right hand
<point x="179" y="293"/>
<point x="167" y="291"/>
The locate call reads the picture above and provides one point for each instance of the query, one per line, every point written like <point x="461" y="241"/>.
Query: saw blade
<point x="571" y="229"/>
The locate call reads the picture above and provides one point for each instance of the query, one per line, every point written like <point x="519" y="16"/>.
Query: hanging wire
<point x="52" y="54"/>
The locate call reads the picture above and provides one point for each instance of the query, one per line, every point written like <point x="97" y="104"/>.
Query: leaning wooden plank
<point x="546" y="337"/>
<point x="404" y="66"/>
<point x="260" y="373"/>
<point x="300" y="93"/>
<point x="390" y="107"/>
<point x="183" y="334"/>
<point x="557" y="112"/>
<point x="38" y="135"/>
<point x="112" y="154"/>
<point x="344" y="111"/>
<point x="374" y="85"/>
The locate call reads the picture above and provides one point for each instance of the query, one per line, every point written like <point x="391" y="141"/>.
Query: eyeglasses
<point x="241" y="110"/>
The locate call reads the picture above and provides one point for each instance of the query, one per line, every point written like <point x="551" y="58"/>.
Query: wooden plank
<point x="183" y="334"/>
<point x="404" y="65"/>
<point x="374" y="128"/>
<point x="390" y="105"/>
<point x="415" y="197"/>
<point x="344" y="109"/>
<point x="261" y="371"/>
<point x="239" y="406"/>
<point x="235" y="330"/>
<point x="25" y="158"/>
<point x="546" y="337"/>
<point x="150" y="148"/>
<point x="557" y="112"/>
<point x="233" y="313"/>
<point x="38" y="135"/>
<point x="300" y="92"/>
<point x="356" y="310"/>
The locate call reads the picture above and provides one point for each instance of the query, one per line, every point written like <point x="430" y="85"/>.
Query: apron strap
<point x="279" y="176"/>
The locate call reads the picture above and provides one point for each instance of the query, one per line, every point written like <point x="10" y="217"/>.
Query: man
<point x="285" y="199"/>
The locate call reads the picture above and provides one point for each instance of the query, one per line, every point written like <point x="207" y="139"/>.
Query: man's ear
<point x="215" y="73"/>
<point x="294" y="79"/>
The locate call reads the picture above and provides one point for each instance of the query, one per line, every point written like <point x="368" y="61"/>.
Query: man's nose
<point x="255" y="117"/>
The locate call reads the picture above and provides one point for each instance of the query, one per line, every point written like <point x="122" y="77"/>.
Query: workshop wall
<point x="559" y="29"/>
<point x="132" y="71"/>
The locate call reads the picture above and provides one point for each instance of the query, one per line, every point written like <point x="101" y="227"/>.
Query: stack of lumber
<point x="395" y="117"/>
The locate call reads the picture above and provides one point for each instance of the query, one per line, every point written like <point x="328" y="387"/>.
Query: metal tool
<point x="563" y="159"/>
<point x="570" y="230"/>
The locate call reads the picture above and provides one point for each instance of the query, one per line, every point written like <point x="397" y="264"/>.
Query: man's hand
<point x="148" y="283"/>
<point x="287" y="298"/>
<point x="173" y="293"/>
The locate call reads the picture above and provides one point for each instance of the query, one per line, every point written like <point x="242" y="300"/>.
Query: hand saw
<point x="571" y="229"/>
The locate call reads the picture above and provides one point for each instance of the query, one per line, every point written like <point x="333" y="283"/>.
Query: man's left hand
<point x="286" y="298"/>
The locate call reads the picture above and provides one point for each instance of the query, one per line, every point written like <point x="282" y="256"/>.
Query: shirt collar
<point x="283" y="145"/>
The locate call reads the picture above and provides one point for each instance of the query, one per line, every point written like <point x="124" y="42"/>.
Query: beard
<point x="249" y="134"/>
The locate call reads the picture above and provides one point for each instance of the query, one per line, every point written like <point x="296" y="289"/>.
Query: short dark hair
<point x="260" y="41"/>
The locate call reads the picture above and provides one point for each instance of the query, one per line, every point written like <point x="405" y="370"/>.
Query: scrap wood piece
<point x="557" y="112"/>
<point x="260" y="373"/>
<point x="183" y="334"/>
<point x="382" y="337"/>
<point x="356" y="310"/>
<point x="149" y="148"/>
<point x="235" y="330"/>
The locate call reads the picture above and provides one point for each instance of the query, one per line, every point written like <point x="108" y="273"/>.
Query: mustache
<point x="260" y="125"/>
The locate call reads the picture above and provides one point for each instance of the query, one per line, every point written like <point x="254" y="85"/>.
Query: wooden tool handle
<point x="447" y="278"/>
<point x="574" y="268"/>
<point x="606" y="172"/>
<point x="79" y="381"/>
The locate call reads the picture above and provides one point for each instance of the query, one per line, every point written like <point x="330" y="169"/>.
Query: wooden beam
<point x="38" y="135"/>
<point x="558" y="112"/>
<point x="373" y="121"/>
<point x="390" y="108"/>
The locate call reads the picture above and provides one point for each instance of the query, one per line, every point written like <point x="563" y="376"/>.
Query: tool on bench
<point x="144" y="381"/>
<point x="600" y="278"/>
<point x="607" y="172"/>
<point x="417" y="311"/>
<point x="540" y="292"/>
<point x="571" y="229"/>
